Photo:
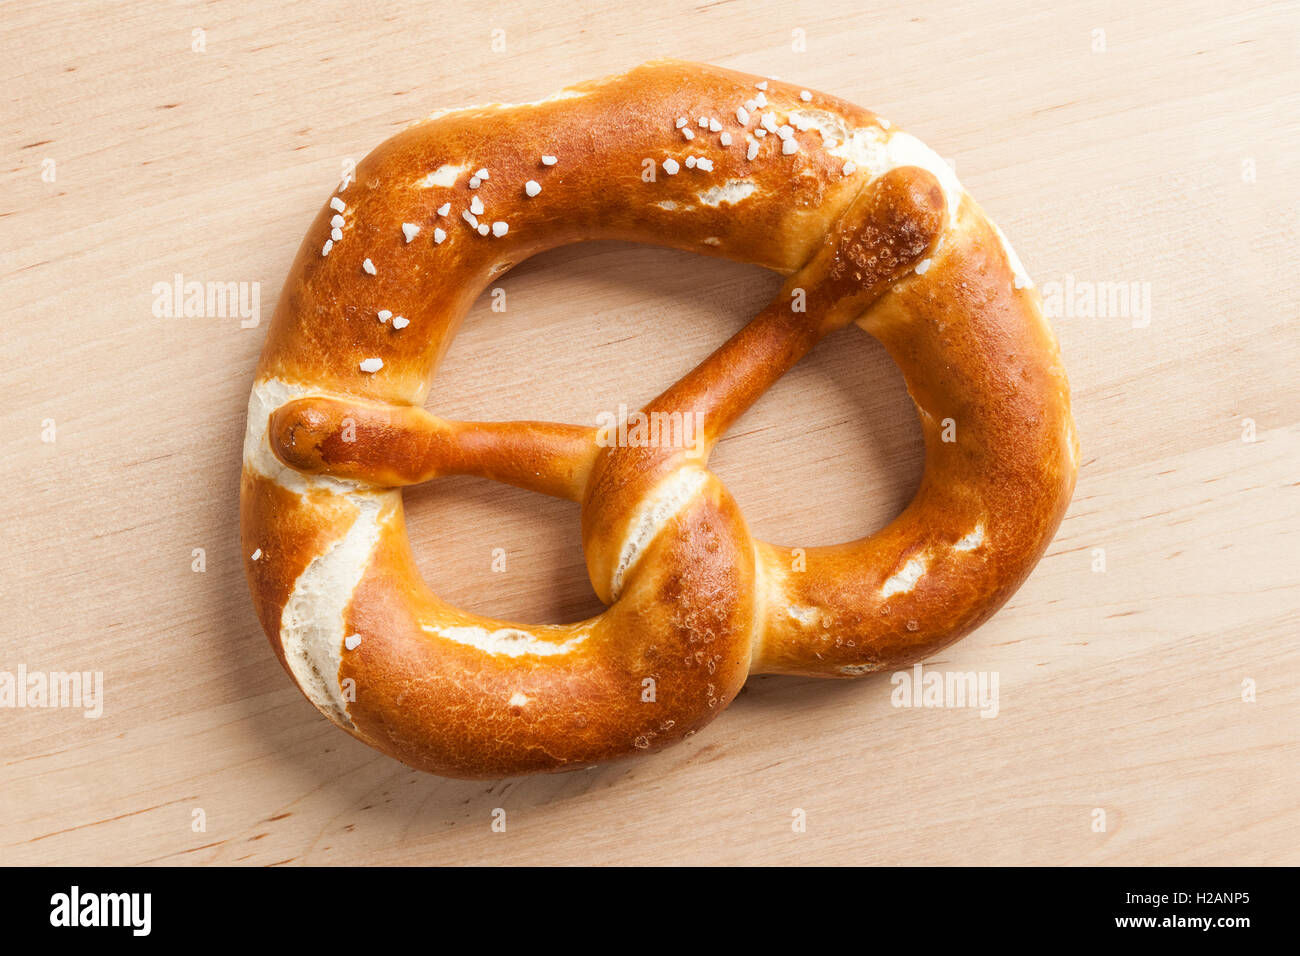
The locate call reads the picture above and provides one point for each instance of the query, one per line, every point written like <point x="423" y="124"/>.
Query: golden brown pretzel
<point x="869" y="226"/>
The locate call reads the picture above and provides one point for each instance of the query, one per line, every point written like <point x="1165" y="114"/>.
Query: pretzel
<point x="868" y="225"/>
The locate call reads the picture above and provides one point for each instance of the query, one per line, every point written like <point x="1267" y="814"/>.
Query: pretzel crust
<point x="868" y="225"/>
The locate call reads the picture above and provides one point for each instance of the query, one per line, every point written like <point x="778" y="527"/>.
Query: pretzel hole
<point x="832" y="453"/>
<point x="500" y="551"/>
<point x="589" y="326"/>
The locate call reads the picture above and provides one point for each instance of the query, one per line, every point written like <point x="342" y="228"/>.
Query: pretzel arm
<point x="393" y="446"/>
<point x="890" y="227"/>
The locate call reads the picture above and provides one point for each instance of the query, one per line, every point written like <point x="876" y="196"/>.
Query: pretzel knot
<point x="868" y="225"/>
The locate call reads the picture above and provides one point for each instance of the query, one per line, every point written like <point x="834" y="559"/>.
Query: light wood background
<point x="1169" y="157"/>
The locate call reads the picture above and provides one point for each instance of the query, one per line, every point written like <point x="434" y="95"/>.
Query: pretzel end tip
<point x="296" y="432"/>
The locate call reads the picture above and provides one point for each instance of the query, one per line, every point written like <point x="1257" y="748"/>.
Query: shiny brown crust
<point x="695" y="603"/>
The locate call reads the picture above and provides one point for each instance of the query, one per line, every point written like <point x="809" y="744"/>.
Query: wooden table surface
<point x="1149" y="670"/>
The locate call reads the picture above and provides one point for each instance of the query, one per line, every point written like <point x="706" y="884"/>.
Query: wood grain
<point x="1169" y="158"/>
